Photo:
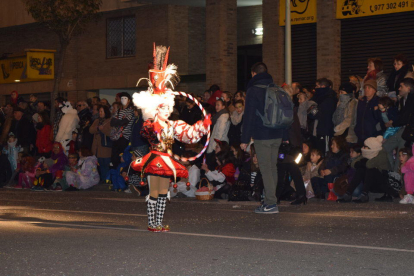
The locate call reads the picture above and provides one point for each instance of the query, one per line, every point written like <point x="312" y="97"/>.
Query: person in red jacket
<point x="44" y="135"/>
<point x="223" y="176"/>
<point x="216" y="94"/>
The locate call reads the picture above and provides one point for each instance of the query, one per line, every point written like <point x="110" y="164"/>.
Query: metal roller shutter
<point x="304" y="54"/>
<point x="382" y="36"/>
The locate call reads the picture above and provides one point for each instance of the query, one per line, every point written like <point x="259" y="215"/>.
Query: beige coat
<point x="349" y="122"/>
<point x="97" y="149"/>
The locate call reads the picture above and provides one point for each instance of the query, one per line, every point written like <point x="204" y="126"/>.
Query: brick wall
<point x="273" y="40"/>
<point x="328" y="42"/>
<point x="221" y="43"/>
<point x="86" y="66"/>
<point x="249" y="18"/>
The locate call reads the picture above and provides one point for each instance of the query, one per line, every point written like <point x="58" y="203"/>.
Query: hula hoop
<point x="208" y="128"/>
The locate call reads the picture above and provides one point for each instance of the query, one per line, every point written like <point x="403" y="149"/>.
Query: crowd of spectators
<point x="351" y="142"/>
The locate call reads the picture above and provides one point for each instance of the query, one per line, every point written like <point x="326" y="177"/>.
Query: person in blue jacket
<point x="369" y="122"/>
<point x="267" y="140"/>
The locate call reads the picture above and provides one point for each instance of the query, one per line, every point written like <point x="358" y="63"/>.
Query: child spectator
<point x="134" y="177"/>
<point x="117" y="176"/>
<point x="251" y="177"/>
<point x="61" y="183"/>
<point x="43" y="178"/>
<point x="59" y="158"/>
<point x="389" y="112"/>
<point x="223" y="176"/>
<point x="355" y="155"/>
<point x="312" y="171"/>
<point x="236" y="122"/>
<point x="87" y="174"/>
<point x="333" y="165"/>
<point x="12" y="150"/>
<point x="73" y="148"/>
<point x="27" y="174"/>
<point x="407" y="168"/>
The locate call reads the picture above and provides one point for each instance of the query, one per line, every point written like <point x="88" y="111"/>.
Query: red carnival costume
<point x="161" y="132"/>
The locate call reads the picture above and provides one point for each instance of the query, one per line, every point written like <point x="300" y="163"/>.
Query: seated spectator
<point x="211" y="158"/>
<point x="375" y="72"/>
<point x="312" y="170"/>
<point x="368" y="115"/>
<point x="399" y="72"/>
<point x="117" y="176"/>
<point x="223" y="176"/>
<point x="372" y="170"/>
<point x="236" y="118"/>
<point x="59" y="159"/>
<point x="43" y="178"/>
<point x="404" y="118"/>
<point x="102" y="144"/>
<point x="87" y="174"/>
<point x="27" y="173"/>
<point x="389" y="112"/>
<point x="250" y="179"/>
<point x="333" y="166"/>
<point x="344" y="117"/>
<point x="408" y="170"/>
<point x="61" y="183"/>
<point x="44" y="135"/>
<point x="355" y="155"/>
<point x="134" y="177"/>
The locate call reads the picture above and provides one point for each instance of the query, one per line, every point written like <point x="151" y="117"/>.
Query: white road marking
<point x="307" y="214"/>
<point x="220" y="236"/>
<point x="82" y="212"/>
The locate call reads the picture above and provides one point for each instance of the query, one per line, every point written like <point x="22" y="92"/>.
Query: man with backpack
<point x="266" y="132"/>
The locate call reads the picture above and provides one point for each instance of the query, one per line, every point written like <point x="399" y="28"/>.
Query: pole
<point x="288" y="45"/>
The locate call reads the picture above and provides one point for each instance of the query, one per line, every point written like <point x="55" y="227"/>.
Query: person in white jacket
<point x="67" y="125"/>
<point x="221" y="125"/>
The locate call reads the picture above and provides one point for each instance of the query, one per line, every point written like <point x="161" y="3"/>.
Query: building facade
<point x="212" y="42"/>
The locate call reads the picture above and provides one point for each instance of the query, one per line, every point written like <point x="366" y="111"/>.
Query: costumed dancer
<point x="159" y="165"/>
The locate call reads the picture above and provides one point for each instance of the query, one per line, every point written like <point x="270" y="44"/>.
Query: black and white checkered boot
<point x="151" y="206"/>
<point x="161" y="204"/>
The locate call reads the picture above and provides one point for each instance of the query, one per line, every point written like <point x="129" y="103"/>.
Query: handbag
<point x="105" y="141"/>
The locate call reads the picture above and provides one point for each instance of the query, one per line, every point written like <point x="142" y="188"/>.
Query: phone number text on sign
<point x="391" y="6"/>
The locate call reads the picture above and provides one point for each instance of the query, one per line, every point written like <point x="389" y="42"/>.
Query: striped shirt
<point x="127" y="113"/>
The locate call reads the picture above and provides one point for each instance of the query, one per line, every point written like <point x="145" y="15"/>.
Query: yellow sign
<point x="40" y="65"/>
<point x="33" y="66"/>
<point x="301" y="12"/>
<point x="359" y="8"/>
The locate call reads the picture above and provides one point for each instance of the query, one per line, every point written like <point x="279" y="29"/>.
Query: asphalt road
<point x="104" y="233"/>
